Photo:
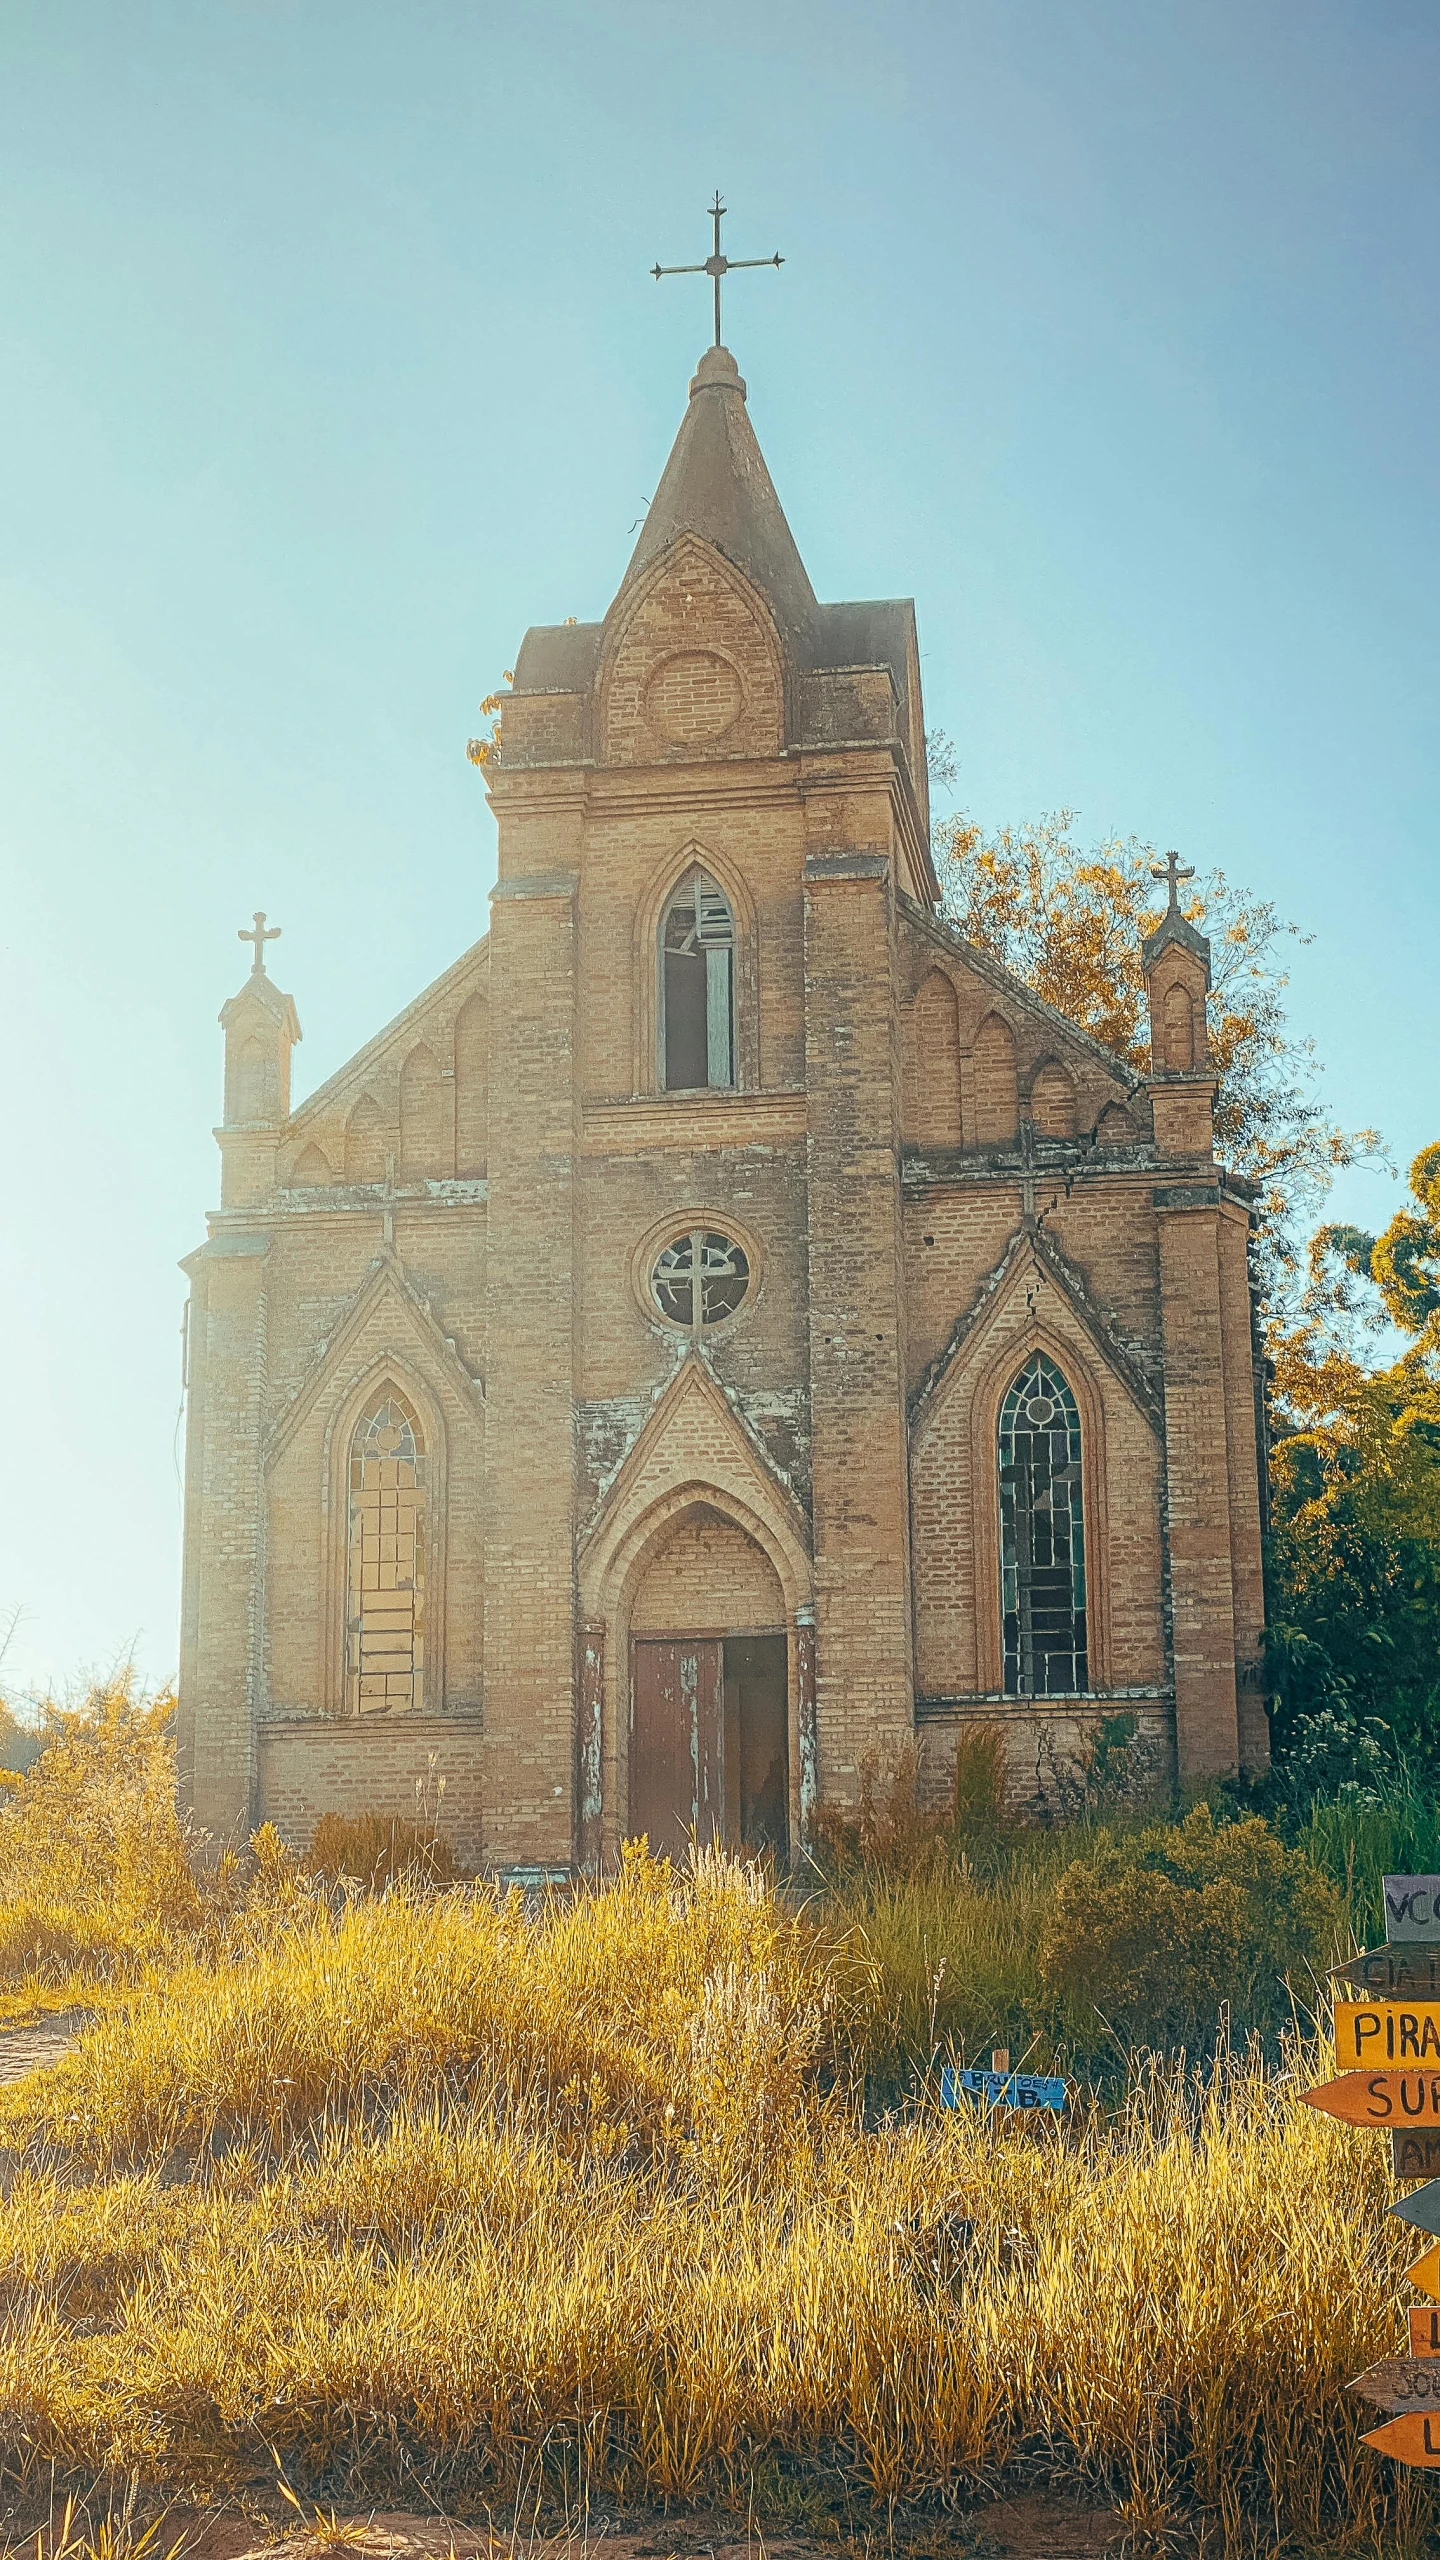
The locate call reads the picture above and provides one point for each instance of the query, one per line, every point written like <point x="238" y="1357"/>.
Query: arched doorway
<point x="709" y="1752"/>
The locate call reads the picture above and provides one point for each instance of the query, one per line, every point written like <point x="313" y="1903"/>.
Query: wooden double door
<point x="708" y="1743"/>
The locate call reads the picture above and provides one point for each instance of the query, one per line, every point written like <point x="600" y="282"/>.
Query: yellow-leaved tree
<point x="1070" y="922"/>
<point x="94" y="1878"/>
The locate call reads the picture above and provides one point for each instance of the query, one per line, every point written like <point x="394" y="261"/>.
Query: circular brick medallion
<point x="693" y="698"/>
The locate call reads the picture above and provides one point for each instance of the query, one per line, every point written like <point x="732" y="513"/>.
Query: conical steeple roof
<point x="715" y="487"/>
<point x="715" y="484"/>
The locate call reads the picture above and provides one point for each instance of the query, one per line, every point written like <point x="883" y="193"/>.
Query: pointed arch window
<point x="385" y="1611"/>
<point x="1042" y="1538"/>
<point x="697" y="987"/>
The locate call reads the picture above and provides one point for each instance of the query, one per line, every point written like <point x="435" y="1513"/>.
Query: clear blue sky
<point x="1107" y="330"/>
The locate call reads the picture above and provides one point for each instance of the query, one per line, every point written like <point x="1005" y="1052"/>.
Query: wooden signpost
<point x="1368" y="2032"/>
<point x="1383" y="2100"/>
<point x="1415" y="2153"/>
<point x="1392" y="1973"/>
<point x="1387" y="2043"/>
<point x="1399" y="2383"/>
<point x="1423" y="2208"/>
<point x="1426" y="2273"/>
<point x="1415" y="2438"/>
<point x="1412" y="1911"/>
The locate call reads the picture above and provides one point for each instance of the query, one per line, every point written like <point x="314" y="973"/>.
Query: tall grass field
<point x="413" y="2194"/>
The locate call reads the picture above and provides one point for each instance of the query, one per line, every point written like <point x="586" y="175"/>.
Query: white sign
<point x="1412" y="1911"/>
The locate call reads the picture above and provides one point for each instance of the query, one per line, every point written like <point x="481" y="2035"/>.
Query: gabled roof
<point x="1030" y="1248"/>
<point x="1173" y="927"/>
<point x="731" y="1450"/>
<point x="397" y="1034"/>
<point x="410" y="1313"/>
<point x="559" y="657"/>
<point x="948" y="937"/>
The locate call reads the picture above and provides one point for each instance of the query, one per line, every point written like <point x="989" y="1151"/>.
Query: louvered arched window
<point x="1042" y="1538"/>
<point x="697" y="987"/>
<point x="385" y="1611"/>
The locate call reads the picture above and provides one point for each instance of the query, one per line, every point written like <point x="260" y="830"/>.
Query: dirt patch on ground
<point x="48" y="2040"/>
<point x="1033" y="2527"/>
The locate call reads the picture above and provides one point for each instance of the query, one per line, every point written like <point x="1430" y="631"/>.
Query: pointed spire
<point x="1174" y="926"/>
<point x="715" y="484"/>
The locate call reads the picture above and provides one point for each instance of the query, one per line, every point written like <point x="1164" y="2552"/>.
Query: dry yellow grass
<point x="426" y="2196"/>
<point x="432" y="2191"/>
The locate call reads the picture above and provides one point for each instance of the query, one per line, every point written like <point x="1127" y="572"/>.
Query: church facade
<point x="727" y="1331"/>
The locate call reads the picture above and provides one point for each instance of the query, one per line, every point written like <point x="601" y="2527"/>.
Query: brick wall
<point x="530" y="1448"/>
<point x="864" y="1681"/>
<point x="354" y="1768"/>
<point x="1198" y="1489"/>
<point x="710" y="1578"/>
<point x="693" y="668"/>
<point x="1039" y="1750"/>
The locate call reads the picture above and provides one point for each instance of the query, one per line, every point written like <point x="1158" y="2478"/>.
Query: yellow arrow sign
<point x="1426" y="2272"/>
<point x="1379" y="2098"/>
<point x="1371" y="2033"/>
<point x="1415" y="2438"/>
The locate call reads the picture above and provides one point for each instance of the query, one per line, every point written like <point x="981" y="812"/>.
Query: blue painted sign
<point x="1000" y="2089"/>
<point x="1423" y="2209"/>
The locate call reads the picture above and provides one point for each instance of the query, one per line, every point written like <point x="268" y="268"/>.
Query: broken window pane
<point x="696" y="987"/>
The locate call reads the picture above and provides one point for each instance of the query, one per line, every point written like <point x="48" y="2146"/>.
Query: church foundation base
<point x="1044" y="1746"/>
<point x="354" y="1767"/>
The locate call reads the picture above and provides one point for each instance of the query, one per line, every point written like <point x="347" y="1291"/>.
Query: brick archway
<point x="612" y="1576"/>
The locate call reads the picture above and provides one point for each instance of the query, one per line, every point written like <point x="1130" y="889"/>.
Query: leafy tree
<point x="1398" y="1272"/>
<point x="1355" y="1638"/>
<point x="1071" y="922"/>
<point x="485" y="750"/>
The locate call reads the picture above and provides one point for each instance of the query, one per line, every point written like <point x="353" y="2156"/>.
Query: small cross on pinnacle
<point x="1172" y="871"/>
<point x="259" y="936"/>
<point x="716" y="266"/>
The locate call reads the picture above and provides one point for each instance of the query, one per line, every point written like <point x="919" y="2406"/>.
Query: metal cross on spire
<point x="1172" y="871"/>
<point x="715" y="265"/>
<point x="259" y="936"/>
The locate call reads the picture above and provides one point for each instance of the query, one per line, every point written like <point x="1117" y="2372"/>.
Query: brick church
<point x="726" y="1326"/>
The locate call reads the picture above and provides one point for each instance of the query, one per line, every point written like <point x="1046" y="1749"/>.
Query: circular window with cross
<point x="699" y="1279"/>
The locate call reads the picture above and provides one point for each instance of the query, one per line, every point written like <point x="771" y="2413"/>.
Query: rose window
<point x="699" y="1279"/>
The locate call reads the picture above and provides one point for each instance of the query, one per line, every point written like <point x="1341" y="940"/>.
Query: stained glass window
<point x="385" y="1613"/>
<point x="700" y="1278"/>
<point x="697" y="954"/>
<point x="1042" y="1539"/>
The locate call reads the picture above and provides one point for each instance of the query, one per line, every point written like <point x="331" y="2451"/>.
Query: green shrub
<point x="1361" y="1835"/>
<point x="1152" y="1935"/>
